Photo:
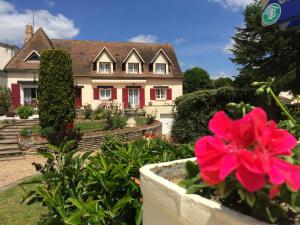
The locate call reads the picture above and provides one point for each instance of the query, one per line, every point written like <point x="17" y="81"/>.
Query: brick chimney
<point x="28" y="33"/>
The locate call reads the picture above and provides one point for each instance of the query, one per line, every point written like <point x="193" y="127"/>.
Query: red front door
<point x="78" y="97"/>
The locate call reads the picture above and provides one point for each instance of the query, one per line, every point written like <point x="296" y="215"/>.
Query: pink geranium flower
<point x="250" y="149"/>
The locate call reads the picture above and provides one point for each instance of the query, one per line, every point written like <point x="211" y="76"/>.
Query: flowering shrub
<point x="246" y="165"/>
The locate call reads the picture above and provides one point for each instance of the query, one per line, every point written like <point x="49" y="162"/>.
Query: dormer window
<point x="33" y="57"/>
<point x="160" y="68"/>
<point x="133" y="67"/>
<point x="104" y="62"/>
<point x="161" y="63"/>
<point x="105" y="67"/>
<point x="133" y="62"/>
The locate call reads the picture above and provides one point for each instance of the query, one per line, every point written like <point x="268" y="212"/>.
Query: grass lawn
<point x="12" y="212"/>
<point x="90" y="125"/>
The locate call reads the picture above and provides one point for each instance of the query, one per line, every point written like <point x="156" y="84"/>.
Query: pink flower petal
<point x="249" y="180"/>
<point x="221" y="125"/>
<point x="229" y="163"/>
<point x="211" y="176"/>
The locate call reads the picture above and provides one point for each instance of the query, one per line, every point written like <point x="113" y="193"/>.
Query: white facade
<point x="6" y="53"/>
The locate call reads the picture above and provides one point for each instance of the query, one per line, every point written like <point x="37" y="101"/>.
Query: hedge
<point x="193" y="111"/>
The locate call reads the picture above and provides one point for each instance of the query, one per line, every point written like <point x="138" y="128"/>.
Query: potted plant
<point x="246" y="173"/>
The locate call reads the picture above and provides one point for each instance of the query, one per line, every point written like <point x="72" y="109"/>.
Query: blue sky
<point x="200" y="30"/>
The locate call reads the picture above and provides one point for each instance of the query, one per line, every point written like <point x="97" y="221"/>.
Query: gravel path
<point x="14" y="170"/>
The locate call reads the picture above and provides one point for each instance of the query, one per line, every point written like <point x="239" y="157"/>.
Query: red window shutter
<point x="125" y="97"/>
<point x="142" y="98"/>
<point x="152" y="94"/>
<point x="169" y="93"/>
<point x="114" y="93"/>
<point x="16" y="97"/>
<point x="96" y="93"/>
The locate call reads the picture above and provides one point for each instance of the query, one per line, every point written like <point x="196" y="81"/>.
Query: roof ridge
<point x="112" y="42"/>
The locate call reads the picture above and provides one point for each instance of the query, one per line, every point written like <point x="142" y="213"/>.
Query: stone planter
<point x="166" y="203"/>
<point x="131" y="113"/>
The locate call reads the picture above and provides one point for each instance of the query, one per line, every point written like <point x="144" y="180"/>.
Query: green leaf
<point x="192" y="169"/>
<point x="122" y="202"/>
<point x="47" y="155"/>
<point x="139" y="216"/>
<point x="76" y="203"/>
<point x="196" y="188"/>
<point x="250" y="198"/>
<point x="103" y="162"/>
<point x="74" y="219"/>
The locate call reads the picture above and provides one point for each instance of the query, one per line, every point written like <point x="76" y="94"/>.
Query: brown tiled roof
<point x="38" y="42"/>
<point x="84" y="52"/>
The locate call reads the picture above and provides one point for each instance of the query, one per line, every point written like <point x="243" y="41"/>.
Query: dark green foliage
<point x="24" y="132"/>
<point x="193" y="111"/>
<point x="196" y="79"/>
<point x="24" y="112"/>
<point x="222" y="82"/>
<point x="87" y="110"/>
<point x="56" y="89"/>
<point x="150" y="119"/>
<point x="5" y="100"/>
<point x="45" y="132"/>
<point x="101" y="188"/>
<point x="265" y="52"/>
<point x="113" y="122"/>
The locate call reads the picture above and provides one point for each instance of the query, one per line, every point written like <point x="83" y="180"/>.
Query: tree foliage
<point x="265" y="52"/>
<point x="56" y="89"/>
<point x="222" y="82"/>
<point x="196" y="79"/>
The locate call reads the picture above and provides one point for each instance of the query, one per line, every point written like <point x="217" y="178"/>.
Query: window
<point x="160" y="93"/>
<point x="104" y="67"/>
<point x="105" y="93"/>
<point x="160" y="68"/>
<point x="30" y="95"/>
<point x="133" y="94"/>
<point x="133" y="68"/>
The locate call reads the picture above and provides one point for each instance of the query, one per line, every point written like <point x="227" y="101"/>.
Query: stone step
<point x="8" y="147"/>
<point x="10" y="153"/>
<point x="9" y="133"/>
<point x="8" y="136"/>
<point x="21" y="126"/>
<point x="11" y="129"/>
<point x="12" y="157"/>
<point x="8" y="141"/>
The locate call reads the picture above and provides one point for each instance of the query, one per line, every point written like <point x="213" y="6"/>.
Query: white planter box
<point x="166" y="203"/>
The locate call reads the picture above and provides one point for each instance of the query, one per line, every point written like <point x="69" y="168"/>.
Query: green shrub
<point x="24" y="112"/>
<point x="113" y="122"/>
<point x="56" y="89"/>
<point x="46" y="132"/>
<point x="24" y="132"/>
<point x="5" y="100"/>
<point x="98" y="189"/>
<point x="87" y="111"/>
<point x="150" y="119"/>
<point x="193" y="111"/>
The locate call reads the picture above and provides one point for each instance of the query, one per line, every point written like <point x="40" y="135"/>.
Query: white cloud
<point x="13" y="21"/>
<point x="142" y="38"/>
<point x="50" y="3"/>
<point x="178" y="41"/>
<point x="228" y="46"/>
<point x="233" y="4"/>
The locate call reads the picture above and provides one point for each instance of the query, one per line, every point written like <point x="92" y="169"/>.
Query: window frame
<point x="160" y="64"/>
<point x="138" y="68"/>
<point x="106" y="97"/>
<point x="160" y="94"/>
<point x="106" y="71"/>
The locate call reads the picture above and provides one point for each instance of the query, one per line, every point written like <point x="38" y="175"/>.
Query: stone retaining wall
<point x="93" y="141"/>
